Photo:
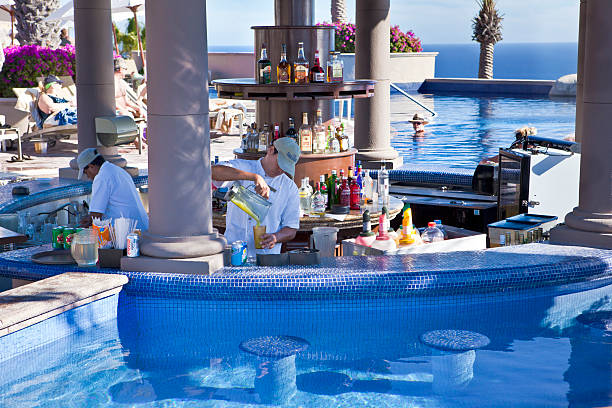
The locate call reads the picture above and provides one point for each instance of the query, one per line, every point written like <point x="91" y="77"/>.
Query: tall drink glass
<point x="258" y="231"/>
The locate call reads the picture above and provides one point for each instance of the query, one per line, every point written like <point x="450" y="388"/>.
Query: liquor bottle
<point x="333" y="143"/>
<point x="283" y="70"/>
<point x="245" y="137"/>
<point x="350" y="174"/>
<point x="264" y="138"/>
<point x="318" y="141"/>
<point x="367" y="188"/>
<point x="253" y="139"/>
<point x="216" y="159"/>
<point x="383" y="186"/>
<point x="291" y="131"/>
<point x="317" y="74"/>
<point x="323" y="187"/>
<point x="359" y="178"/>
<point x="305" y="197"/>
<point x="355" y="193"/>
<point x="300" y="66"/>
<point x="331" y="189"/>
<point x="305" y="135"/>
<point x="318" y="201"/>
<point x="338" y="68"/>
<point x="276" y="134"/>
<point x="339" y="184"/>
<point x="339" y="138"/>
<point x="345" y="193"/>
<point x="344" y="140"/>
<point x="264" y="67"/>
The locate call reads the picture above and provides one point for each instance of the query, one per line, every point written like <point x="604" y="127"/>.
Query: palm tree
<point x="338" y="11"/>
<point x="487" y="31"/>
<point x="30" y="24"/>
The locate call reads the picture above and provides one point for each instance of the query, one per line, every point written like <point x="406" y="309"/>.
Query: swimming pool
<point x="469" y="128"/>
<point x="185" y="353"/>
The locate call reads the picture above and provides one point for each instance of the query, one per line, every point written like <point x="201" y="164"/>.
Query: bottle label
<point x="283" y="75"/>
<point x="337" y="72"/>
<point x="344" y="144"/>
<point x="335" y="145"/>
<point x="265" y="74"/>
<point x="318" y="77"/>
<point x="301" y="74"/>
<point x="306" y="141"/>
<point x="263" y="142"/>
<point x="318" y="144"/>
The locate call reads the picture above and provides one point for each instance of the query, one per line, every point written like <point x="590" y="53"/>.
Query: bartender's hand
<point x="268" y="241"/>
<point x="261" y="187"/>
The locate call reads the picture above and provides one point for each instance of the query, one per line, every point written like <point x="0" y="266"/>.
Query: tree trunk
<point x="30" y="24"/>
<point x="338" y="11"/>
<point x="485" y="65"/>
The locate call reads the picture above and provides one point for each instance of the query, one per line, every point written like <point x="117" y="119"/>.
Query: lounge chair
<point x="27" y="101"/>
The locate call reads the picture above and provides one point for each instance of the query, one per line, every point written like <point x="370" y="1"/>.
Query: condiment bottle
<point x="383" y="241"/>
<point x="366" y="236"/>
<point x="407" y="237"/>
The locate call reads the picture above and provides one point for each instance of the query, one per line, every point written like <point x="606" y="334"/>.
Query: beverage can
<point x="133" y="245"/>
<point x="68" y="233"/>
<point x="58" y="238"/>
<point x="238" y="256"/>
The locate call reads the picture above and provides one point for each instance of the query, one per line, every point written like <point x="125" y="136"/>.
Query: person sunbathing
<point x="123" y="104"/>
<point x="53" y="109"/>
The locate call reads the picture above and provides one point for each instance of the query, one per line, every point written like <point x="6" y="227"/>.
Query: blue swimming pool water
<point x="185" y="353"/>
<point x="468" y="129"/>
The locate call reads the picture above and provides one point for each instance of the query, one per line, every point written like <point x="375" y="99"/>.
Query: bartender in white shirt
<point x="276" y="169"/>
<point x="113" y="193"/>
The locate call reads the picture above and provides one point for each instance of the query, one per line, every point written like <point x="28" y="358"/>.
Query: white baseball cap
<point x="86" y="157"/>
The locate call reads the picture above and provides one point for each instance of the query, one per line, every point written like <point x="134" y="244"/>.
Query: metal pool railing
<point x="407" y="95"/>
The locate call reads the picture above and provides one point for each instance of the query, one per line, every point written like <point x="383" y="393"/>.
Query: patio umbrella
<point x="121" y="9"/>
<point x="7" y="5"/>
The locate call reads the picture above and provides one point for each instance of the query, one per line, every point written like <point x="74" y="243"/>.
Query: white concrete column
<point x="372" y="115"/>
<point x="590" y="224"/>
<point x="95" y="84"/>
<point x="180" y="236"/>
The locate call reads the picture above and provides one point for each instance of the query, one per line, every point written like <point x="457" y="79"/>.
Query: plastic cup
<point x="325" y="240"/>
<point x="258" y="231"/>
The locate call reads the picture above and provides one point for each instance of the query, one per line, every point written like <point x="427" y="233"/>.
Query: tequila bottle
<point x="318" y="142"/>
<point x="300" y="66"/>
<point x="305" y="135"/>
<point x="264" y="67"/>
<point x="283" y="70"/>
<point x="333" y="143"/>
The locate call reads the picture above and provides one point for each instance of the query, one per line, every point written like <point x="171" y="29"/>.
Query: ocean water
<point x="511" y="60"/>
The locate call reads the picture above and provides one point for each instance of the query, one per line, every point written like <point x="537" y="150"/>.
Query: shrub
<point x="23" y="65"/>
<point x="399" y="41"/>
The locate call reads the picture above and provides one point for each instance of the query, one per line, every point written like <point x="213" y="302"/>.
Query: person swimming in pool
<point x="418" y="124"/>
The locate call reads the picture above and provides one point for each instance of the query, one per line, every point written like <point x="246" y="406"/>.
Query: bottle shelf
<point x="249" y="89"/>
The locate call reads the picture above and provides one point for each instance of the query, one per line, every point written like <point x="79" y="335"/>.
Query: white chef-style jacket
<point x="114" y="194"/>
<point x="284" y="211"/>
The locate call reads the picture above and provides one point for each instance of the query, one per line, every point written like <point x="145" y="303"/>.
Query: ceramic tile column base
<point x="203" y="265"/>
<point x="565" y="235"/>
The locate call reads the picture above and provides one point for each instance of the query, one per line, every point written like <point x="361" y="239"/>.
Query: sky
<point x="434" y="21"/>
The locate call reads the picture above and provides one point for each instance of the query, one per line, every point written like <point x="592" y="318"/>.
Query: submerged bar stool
<point x="275" y="375"/>
<point x="453" y="356"/>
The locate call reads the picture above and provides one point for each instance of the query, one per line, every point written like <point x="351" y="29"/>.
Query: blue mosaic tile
<point x="470" y="272"/>
<point x="274" y="346"/>
<point x="430" y="174"/>
<point x="454" y="340"/>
